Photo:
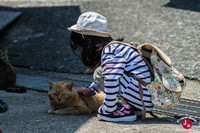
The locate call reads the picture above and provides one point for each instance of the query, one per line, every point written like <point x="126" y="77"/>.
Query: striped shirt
<point x="115" y="59"/>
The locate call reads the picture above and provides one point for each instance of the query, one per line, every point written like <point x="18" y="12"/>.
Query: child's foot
<point x="123" y="113"/>
<point x="3" y="106"/>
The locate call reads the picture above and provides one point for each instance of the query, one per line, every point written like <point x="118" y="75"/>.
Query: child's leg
<point x="124" y="111"/>
<point x="99" y="80"/>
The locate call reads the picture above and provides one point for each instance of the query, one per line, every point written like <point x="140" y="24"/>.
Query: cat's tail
<point x="16" y="89"/>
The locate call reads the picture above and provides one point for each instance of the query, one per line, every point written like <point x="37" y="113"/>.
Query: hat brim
<point x="89" y="32"/>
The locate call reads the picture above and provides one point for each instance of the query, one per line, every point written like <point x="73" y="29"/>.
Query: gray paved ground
<point x="39" y="40"/>
<point x="28" y="111"/>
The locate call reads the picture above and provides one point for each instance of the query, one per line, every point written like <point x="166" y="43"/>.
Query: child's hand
<point x="84" y="91"/>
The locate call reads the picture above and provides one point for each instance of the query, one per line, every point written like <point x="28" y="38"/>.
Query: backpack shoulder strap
<point x="138" y="48"/>
<point x="162" y="55"/>
<point x="133" y="46"/>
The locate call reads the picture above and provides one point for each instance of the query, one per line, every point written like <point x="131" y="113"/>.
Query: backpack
<point x="166" y="82"/>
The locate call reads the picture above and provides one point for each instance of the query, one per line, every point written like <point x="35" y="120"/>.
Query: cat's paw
<point x="58" y="112"/>
<point x="51" y="111"/>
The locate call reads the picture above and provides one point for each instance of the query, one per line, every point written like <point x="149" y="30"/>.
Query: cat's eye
<point x="55" y="94"/>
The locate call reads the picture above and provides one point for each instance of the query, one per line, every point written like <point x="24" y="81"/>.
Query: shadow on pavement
<point x="151" y="121"/>
<point x="39" y="39"/>
<point x="193" y="5"/>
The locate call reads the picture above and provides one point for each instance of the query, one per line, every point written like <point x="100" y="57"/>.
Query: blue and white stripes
<point x="117" y="58"/>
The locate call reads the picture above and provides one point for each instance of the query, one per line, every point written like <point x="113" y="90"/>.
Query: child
<point x="90" y="35"/>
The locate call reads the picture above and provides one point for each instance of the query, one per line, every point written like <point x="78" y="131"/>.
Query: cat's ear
<point x="6" y="54"/>
<point x="50" y="84"/>
<point x="70" y="85"/>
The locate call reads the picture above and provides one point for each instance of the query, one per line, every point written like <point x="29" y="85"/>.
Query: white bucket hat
<point x="91" y="23"/>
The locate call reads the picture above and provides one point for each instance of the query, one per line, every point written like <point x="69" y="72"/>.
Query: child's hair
<point x="90" y="48"/>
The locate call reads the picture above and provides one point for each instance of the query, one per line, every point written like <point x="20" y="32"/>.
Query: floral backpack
<point x="167" y="83"/>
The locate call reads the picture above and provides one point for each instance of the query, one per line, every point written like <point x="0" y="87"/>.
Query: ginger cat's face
<point x="60" y="92"/>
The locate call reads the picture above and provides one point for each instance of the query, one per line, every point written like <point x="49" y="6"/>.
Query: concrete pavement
<point x="28" y="111"/>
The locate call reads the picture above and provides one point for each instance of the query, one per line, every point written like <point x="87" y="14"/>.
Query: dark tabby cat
<point x="65" y="100"/>
<point x="7" y="74"/>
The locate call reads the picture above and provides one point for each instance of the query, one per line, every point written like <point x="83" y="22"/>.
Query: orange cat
<point x="65" y="100"/>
